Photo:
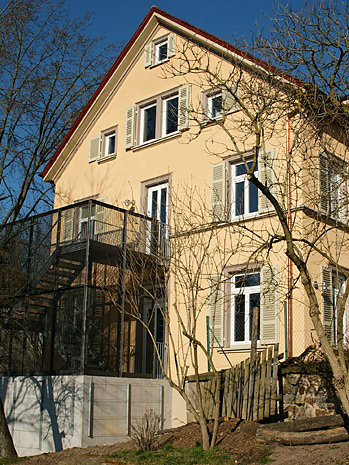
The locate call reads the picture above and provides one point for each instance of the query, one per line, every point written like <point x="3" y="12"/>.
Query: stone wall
<point x="307" y="394"/>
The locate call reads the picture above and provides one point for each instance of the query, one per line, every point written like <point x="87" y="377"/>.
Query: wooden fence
<point x="248" y="390"/>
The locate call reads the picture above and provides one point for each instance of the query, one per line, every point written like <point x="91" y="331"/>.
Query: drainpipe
<point x="289" y="219"/>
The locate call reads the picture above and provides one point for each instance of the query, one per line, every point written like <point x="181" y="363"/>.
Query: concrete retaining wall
<point x="51" y="413"/>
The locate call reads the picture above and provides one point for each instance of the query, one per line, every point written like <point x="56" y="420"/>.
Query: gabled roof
<point x="139" y="38"/>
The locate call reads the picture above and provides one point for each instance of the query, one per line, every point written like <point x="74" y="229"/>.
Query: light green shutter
<point x="184" y="97"/>
<point x="266" y="177"/>
<point x="218" y="192"/>
<point x="327" y="302"/>
<point x="68" y="224"/>
<point x="171" y="46"/>
<point x="323" y="184"/>
<point x="94" y="151"/>
<point x="269" y="304"/>
<point x="228" y="101"/>
<point x="148" y="55"/>
<point x="216" y="308"/>
<point x="130" y="127"/>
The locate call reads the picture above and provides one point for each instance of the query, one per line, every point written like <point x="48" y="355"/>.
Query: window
<point x="103" y="147"/>
<point x="333" y="187"/>
<point x="233" y="295"/>
<point x="109" y="139"/>
<point x="214" y="105"/>
<point x="158" y="117"/>
<point x="245" y="294"/>
<point x="159" y="50"/>
<point x="157" y="208"/>
<point x="233" y="195"/>
<point x="215" y="102"/>
<point x="244" y="193"/>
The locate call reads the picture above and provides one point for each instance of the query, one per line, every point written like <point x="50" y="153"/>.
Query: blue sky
<point x="118" y="19"/>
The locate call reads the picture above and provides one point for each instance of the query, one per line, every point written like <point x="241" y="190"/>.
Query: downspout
<point x="289" y="219"/>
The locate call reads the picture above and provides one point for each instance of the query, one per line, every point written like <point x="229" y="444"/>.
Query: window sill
<point x="107" y="158"/>
<point x="243" y="347"/>
<point x="154" y="65"/>
<point x="157" y="141"/>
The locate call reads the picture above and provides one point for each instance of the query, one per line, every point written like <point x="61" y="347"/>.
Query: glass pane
<point x="239" y="328"/>
<point x="111" y="144"/>
<point x="239" y="198"/>
<point x="254" y="303"/>
<point x="163" y="205"/>
<point x="248" y="280"/>
<point x="162" y="50"/>
<point x="253" y="201"/>
<point x="172" y="115"/>
<point x="154" y="204"/>
<point x="240" y="169"/>
<point x="149" y="123"/>
<point x="216" y="103"/>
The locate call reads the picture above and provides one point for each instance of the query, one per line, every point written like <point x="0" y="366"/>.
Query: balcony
<point x="72" y="292"/>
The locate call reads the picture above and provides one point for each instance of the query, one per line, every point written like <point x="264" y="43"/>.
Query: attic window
<point x="159" y="50"/>
<point x="104" y="146"/>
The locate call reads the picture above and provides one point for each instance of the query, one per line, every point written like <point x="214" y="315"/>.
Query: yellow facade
<point x="184" y="160"/>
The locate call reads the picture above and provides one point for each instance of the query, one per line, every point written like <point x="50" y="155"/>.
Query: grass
<point x="12" y="460"/>
<point x="177" y="456"/>
<point x="266" y="459"/>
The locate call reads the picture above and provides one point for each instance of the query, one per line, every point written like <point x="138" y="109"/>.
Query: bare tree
<point x="49" y="67"/>
<point x="189" y="258"/>
<point x="295" y="132"/>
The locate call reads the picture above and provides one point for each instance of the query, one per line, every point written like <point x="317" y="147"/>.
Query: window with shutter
<point x="216" y="102"/>
<point x="216" y="309"/>
<point x="269" y="304"/>
<point x="333" y="187"/>
<point x="159" y="50"/>
<point x="160" y="116"/>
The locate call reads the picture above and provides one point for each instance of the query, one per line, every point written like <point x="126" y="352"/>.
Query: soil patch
<point x="235" y="437"/>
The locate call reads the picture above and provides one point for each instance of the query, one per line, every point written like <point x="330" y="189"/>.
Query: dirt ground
<point x="236" y="437"/>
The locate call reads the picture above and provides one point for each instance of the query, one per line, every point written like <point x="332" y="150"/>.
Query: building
<point x="158" y="165"/>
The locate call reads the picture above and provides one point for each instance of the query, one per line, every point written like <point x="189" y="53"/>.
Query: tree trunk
<point x="7" y="449"/>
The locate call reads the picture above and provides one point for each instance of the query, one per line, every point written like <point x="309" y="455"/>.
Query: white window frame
<point x="246" y="291"/>
<point x="107" y="135"/>
<point x="210" y="101"/>
<point x="153" y="49"/>
<point x="161" y="104"/>
<point x="234" y="180"/>
<point x="143" y="110"/>
<point x="333" y="187"/>
<point x="157" y="48"/>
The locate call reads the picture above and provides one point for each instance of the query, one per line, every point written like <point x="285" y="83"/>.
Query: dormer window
<point x="159" y="50"/>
